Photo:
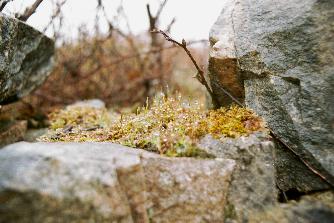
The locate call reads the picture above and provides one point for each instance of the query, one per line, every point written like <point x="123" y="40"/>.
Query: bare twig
<point x="169" y="27"/>
<point x="123" y="58"/>
<point x="3" y="4"/>
<point x="29" y="11"/>
<point x="127" y="36"/>
<point x="54" y="15"/>
<point x="200" y="73"/>
<point x="153" y="19"/>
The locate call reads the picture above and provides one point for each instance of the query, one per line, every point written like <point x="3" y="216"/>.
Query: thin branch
<point x="154" y="18"/>
<point x="170" y="25"/>
<point x="3" y="4"/>
<point x="200" y="73"/>
<point x="149" y="12"/>
<point x="29" y="11"/>
<point x="122" y="58"/>
<point x="127" y="36"/>
<point x="162" y="5"/>
<point x="319" y="171"/>
<point x="55" y="15"/>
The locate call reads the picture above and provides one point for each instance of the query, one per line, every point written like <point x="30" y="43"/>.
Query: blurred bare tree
<point x="119" y="67"/>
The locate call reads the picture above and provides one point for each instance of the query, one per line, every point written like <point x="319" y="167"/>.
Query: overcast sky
<point x="193" y="17"/>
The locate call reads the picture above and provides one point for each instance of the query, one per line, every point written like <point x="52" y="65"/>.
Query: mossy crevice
<point x="169" y="126"/>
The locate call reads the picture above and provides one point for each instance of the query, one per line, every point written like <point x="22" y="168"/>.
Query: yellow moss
<point x="86" y="117"/>
<point x="170" y="126"/>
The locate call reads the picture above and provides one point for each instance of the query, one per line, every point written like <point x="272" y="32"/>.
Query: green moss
<point x="229" y="212"/>
<point x="170" y="126"/>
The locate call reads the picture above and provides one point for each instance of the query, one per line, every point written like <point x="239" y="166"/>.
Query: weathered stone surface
<point x="105" y="182"/>
<point x="317" y="208"/>
<point x="32" y="135"/>
<point x="26" y="58"/>
<point x="94" y="103"/>
<point x="62" y="183"/>
<point x="253" y="186"/>
<point x="188" y="190"/>
<point x="12" y="132"/>
<point x="285" y="57"/>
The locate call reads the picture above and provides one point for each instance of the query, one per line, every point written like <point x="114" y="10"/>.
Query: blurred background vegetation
<point x="119" y="67"/>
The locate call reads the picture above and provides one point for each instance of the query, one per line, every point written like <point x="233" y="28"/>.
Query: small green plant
<point x="170" y="126"/>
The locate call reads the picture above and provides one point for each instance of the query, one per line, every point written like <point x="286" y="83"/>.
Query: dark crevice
<point x="294" y="194"/>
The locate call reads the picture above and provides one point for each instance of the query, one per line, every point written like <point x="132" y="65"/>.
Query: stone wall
<point x="280" y="55"/>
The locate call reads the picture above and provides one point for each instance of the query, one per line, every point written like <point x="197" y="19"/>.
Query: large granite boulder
<point x="279" y="55"/>
<point x="26" y="58"/>
<point x="105" y="182"/>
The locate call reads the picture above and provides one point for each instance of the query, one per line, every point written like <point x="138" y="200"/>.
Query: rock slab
<point x="26" y="58"/>
<point x="284" y="53"/>
<point x="105" y="182"/>
<point x="253" y="186"/>
<point x="315" y="208"/>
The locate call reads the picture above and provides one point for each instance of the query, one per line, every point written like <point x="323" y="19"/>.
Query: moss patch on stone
<point x="169" y="126"/>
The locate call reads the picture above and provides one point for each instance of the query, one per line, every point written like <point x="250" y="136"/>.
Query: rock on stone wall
<point x="26" y="58"/>
<point x="283" y="53"/>
<point x="105" y="182"/>
<point x="253" y="187"/>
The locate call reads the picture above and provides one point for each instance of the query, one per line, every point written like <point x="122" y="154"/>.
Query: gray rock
<point x="105" y="182"/>
<point x="285" y="57"/>
<point x="26" y="58"/>
<point x="253" y="187"/>
<point x="32" y="135"/>
<point x="93" y="103"/>
<point x="187" y="190"/>
<point x="12" y="131"/>
<point x="315" y="208"/>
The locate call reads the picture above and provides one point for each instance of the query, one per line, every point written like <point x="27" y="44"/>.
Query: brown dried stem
<point x="317" y="170"/>
<point x="200" y="73"/>
<point x="29" y="11"/>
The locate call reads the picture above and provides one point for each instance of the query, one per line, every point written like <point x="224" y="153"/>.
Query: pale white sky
<point x="193" y="17"/>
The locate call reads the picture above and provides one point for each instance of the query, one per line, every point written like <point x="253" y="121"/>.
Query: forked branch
<point x="200" y="73"/>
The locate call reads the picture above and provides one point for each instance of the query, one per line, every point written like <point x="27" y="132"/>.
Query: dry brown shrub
<point x="108" y="68"/>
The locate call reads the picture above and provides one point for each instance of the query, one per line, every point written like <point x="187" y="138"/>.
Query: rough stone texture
<point x="318" y="208"/>
<point x="253" y="185"/>
<point x="285" y="57"/>
<point x="224" y="73"/>
<point x="94" y="103"/>
<point x="12" y="132"/>
<point x="26" y="58"/>
<point x="187" y="191"/>
<point x="32" y="135"/>
<point x="105" y="182"/>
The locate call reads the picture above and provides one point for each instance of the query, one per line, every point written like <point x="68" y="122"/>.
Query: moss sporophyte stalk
<point x="169" y="126"/>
